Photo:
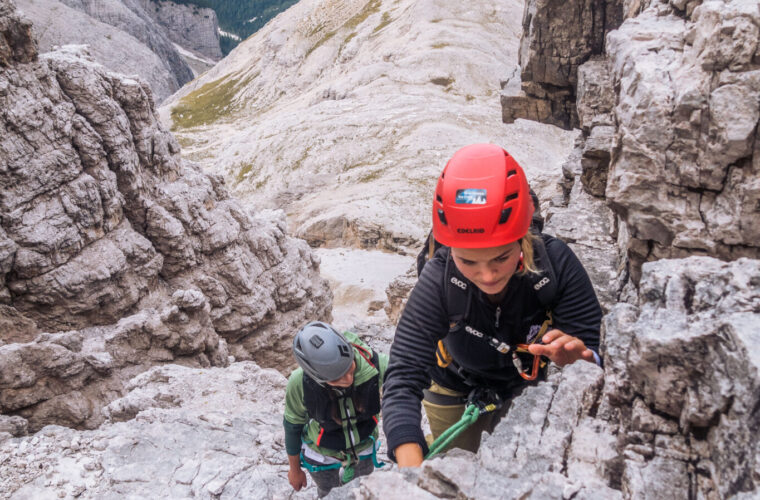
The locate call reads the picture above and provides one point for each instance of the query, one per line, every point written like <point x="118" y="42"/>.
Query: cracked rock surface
<point x="200" y="433"/>
<point x="115" y="254"/>
<point x="669" y="109"/>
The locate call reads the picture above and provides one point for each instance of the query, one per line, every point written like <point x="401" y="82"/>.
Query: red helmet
<point x="482" y="199"/>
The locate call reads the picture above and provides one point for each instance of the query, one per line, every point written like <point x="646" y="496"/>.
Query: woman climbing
<point x="488" y="305"/>
<point x="332" y="406"/>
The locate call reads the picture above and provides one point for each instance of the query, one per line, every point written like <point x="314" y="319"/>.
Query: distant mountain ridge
<point x="165" y="44"/>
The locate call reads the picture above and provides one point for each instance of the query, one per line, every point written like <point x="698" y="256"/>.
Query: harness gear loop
<point x="479" y="402"/>
<point x="347" y="464"/>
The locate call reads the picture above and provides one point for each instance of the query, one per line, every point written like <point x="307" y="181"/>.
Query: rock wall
<point x="56" y="24"/>
<point x="205" y="434"/>
<point x="669" y="108"/>
<point x="557" y="38"/>
<point x="122" y="47"/>
<point x="114" y="253"/>
<point x="194" y="28"/>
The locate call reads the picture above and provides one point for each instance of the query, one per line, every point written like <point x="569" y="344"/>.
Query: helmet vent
<point x="343" y="351"/>
<point x="511" y="173"/>
<point x="505" y="215"/>
<point x="316" y="341"/>
<point x="438" y="197"/>
<point x="442" y="217"/>
<point x="511" y="197"/>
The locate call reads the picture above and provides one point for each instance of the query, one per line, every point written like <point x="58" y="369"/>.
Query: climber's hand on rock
<point x="562" y="348"/>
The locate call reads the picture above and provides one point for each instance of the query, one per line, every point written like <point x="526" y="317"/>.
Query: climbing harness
<point x="479" y="402"/>
<point x="348" y="464"/>
<point x="444" y="358"/>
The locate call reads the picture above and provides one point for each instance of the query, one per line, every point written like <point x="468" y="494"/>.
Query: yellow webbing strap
<point x="442" y="355"/>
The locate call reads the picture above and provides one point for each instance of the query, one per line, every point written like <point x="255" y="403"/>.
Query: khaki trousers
<point x="441" y="417"/>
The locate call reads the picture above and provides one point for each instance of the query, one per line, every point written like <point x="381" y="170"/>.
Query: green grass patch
<point x="260" y="184"/>
<point x="372" y="176"/>
<point x="208" y="103"/>
<point x="299" y="162"/>
<point x="372" y="7"/>
<point x="322" y="40"/>
<point x="243" y="170"/>
<point x="316" y="29"/>
<point x="384" y="21"/>
<point x="440" y="45"/>
<point x="185" y="142"/>
<point x="470" y="97"/>
<point x="350" y="37"/>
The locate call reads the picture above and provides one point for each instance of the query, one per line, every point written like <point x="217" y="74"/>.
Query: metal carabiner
<point x="519" y="366"/>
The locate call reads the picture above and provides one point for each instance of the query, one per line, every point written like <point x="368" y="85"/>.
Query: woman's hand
<point x="408" y="455"/>
<point x="562" y="348"/>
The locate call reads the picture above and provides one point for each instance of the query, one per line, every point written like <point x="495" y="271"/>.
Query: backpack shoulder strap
<point x="545" y="282"/>
<point x="458" y="294"/>
<point x="369" y="355"/>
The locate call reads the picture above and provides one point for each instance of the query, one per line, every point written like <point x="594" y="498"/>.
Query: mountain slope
<point x="343" y="113"/>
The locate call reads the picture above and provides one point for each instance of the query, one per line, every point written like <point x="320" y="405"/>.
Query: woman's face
<point x="347" y="379"/>
<point x="489" y="268"/>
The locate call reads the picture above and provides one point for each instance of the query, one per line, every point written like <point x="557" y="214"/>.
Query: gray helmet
<point x="322" y="352"/>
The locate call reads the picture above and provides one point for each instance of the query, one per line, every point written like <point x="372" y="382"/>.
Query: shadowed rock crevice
<point x="659" y="142"/>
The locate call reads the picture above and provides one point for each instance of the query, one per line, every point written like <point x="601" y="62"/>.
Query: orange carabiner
<point x="518" y="364"/>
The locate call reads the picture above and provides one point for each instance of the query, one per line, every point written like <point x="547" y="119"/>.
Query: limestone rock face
<point x="121" y="35"/>
<point x="551" y="50"/>
<point x="211" y="433"/>
<point x="685" y="177"/>
<point x="57" y="24"/>
<point x="668" y="106"/>
<point x="689" y="356"/>
<point x="17" y="44"/>
<point x="191" y="27"/>
<point x="115" y="254"/>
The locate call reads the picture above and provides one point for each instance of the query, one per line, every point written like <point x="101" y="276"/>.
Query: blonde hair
<point x="526" y="247"/>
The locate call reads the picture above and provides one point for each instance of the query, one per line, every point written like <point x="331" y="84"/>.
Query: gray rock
<point x="398" y="292"/>
<point x="194" y="28"/>
<point x="109" y="236"/>
<point x="129" y="16"/>
<point x="551" y="50"/>
<point x="57" y="24"/>
<point x="15" y="426"/>
<point x="664" y="139"/>
<point x="17" y="45"/>
<point x="205" y="433"/>
<point x="691" y="356"/>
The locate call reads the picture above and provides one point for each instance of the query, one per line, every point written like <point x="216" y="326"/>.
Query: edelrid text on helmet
<point x="482" y="199"/>
<point x="322" y="352"/>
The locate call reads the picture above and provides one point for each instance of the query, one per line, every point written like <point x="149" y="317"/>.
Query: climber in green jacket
<point x="332" y="406"/>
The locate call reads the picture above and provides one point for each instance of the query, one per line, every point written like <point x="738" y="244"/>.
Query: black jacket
<point x="425" y="320"/>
